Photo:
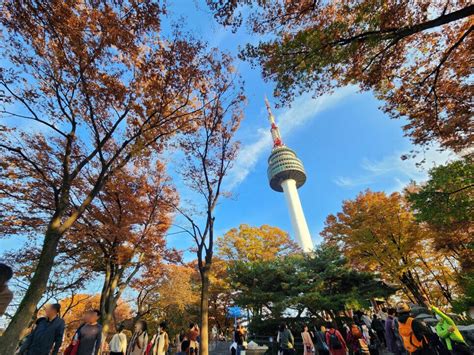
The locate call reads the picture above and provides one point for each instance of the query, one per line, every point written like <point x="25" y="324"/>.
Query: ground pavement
<point x="222" y="348"/>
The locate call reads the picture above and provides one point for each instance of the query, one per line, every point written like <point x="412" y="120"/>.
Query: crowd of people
<point x="394" y="330"/>
<point x="47" y="333"/>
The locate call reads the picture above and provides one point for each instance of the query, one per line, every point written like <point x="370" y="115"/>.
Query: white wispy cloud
<point x="303" y="109"/>
<point x="399" y="172"/>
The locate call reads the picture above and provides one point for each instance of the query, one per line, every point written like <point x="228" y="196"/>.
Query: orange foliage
<point x="255" y="243"/>
<point x="379" y="233"/>
<point x="96" y="86"/>
<point x="73" y="309"/>
<point x="414" y="55"/>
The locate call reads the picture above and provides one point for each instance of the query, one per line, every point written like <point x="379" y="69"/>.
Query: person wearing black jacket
<point x="46" y="335"/>
<point x="379" y="329"/>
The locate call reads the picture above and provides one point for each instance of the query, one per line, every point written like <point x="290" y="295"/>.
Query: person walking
<point x="240" y="339"/>
<point x="139" y="341"/>
<point x="118" y="344"/>
<point x="160" y="342"/>
<point x="414" y="332"/>
<point x="47" y="336"/>
<point x="449" y="333"/>
<point x="382" y="314"/>
<point x="356" y="341"/>
<point x="398" y="337"/>
<point x="286" y="340"/>
<point x="320" y="338"/>
<point x="184" y="348"/>
<point x="89" y="335"/>
<point x="215" y="334"/>
<point x="365" y="319"/>
<point x="307" y="341"/>
<point x="335" y="341"/>
<point x="193" y="335"/>
<point x="179" y="338"/>
<point x="6" y="296"/>
<point x="378" y="328"/>
<point x="366" y="333"/>
<point x="392" y="339"/>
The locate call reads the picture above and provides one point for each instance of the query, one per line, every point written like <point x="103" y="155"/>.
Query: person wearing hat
<point x="414" y="332"/>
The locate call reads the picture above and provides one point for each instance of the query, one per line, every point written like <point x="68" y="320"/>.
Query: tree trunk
<point x="12" y="335"/>
<point x="108" y="299"/>
<point x="409" y="281"/>
<point x="204" y="344"/>
<point x="106" y="321"/>
<point x="444" y="289"/>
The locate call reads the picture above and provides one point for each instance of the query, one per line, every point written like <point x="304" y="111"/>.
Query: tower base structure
<point x="298" y="221"/>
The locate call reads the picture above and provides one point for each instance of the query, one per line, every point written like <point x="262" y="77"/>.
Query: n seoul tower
<point x="286" y="174"/>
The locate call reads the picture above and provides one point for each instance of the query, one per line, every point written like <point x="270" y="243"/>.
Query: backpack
<point x="363" y="347"/>
<point x="356" y="332"/>
<point x="410" y="341"/>
<point x="334" y="342"/>
<point x="74" y="346"/>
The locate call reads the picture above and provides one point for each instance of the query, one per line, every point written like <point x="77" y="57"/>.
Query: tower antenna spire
<point x="269" y="110"/>
<point x="275" y="131"/>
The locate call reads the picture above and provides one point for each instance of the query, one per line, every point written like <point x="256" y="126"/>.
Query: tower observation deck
<point x="286" y="174"/>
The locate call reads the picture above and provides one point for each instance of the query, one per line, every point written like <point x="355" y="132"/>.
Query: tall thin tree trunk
<point x="444" y="290"/>
<point x="108" y="299"/>
<point x="107" y="317"/>
<point x="409" y="281"/>
<point x="204" y="344"/>
<point x="12" y="335"/>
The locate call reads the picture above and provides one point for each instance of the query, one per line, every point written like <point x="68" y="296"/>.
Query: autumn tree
<point x="85" y="87"/>
<point x="74" y="307"/>
<point x="66" y="279"/>
<point x="379" y="233"/>
<point x="208" y="156"/>
<point x="123" y="231"/>
<point x="245" y="244"/>
<point x="172" y="297"/>
<point x="146" y="292"/>
<point x="414" y="55"/>
<point x="445" y="202"/>
<point x="250" y="244"/>
<point x="221" y="294"/>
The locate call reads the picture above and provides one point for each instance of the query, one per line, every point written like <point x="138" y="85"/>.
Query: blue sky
<point x="347" y="144"/>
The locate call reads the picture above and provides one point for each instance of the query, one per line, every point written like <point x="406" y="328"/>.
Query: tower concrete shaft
<point x="286" y="174"/>
<point x="298" y="221"/>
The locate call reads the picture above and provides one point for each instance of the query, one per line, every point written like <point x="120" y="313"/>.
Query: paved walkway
<point x="222" y="348"/>
<point x="219" y="348"/>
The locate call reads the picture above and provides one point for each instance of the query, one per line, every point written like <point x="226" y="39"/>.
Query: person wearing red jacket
<point x="335" y="341"/>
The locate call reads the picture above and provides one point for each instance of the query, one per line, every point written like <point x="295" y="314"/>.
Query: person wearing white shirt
<point x="366" y="319"/>
<point x="118" y="344"/>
